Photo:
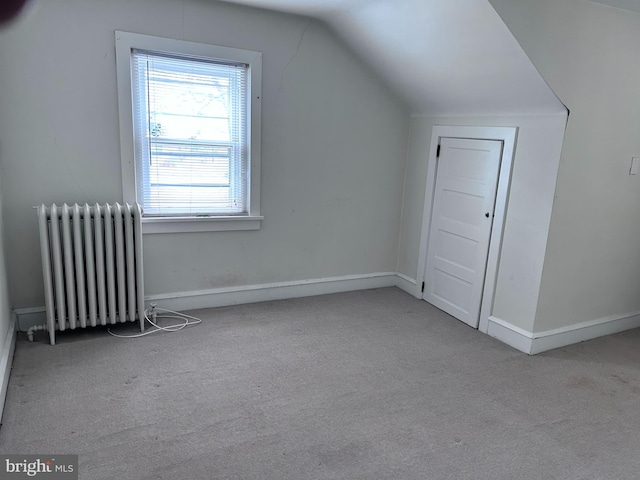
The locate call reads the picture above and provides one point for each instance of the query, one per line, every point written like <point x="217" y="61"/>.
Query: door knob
<point x="486" y="214"/>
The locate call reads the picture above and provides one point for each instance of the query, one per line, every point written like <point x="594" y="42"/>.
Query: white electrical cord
<point x="186" y="321"/>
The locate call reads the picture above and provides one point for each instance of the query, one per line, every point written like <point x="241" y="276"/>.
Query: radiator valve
<point x="35" y="328"/>
<point x="152" y="313"/>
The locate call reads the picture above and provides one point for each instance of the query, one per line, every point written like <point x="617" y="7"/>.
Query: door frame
<point x="508" y="136"/>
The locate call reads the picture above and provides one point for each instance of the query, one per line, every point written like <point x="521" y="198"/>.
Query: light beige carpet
<point x="364" y="385"/>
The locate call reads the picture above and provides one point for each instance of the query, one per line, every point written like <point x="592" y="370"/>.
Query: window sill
<point x="152" y="225"/>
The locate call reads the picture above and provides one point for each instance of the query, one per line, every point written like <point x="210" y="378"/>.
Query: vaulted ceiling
<point x="631" y="5"/>
<point x="442" y="57"/>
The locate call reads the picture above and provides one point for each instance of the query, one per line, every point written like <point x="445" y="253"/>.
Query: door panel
<point x="466" y="182"/>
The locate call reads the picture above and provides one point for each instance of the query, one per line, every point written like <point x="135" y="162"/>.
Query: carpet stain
<point x="346" y="454"/>
<point x="582" y="382"/>
<point x="621" y="378"/>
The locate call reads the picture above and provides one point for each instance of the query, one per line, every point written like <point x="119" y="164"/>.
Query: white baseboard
<point x="221" y="297"/>
<point x="527" y="342"/>
<point x="513" y="336"/>
<point x="533" y="343"/>
<point x="407" y="284"/>
<point x="6" y="361"/>
<point x="29" y="317"/>
<point x="580" y="332"/>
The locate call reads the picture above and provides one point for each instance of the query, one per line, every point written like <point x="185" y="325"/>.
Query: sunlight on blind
<point x="191" y="135"/>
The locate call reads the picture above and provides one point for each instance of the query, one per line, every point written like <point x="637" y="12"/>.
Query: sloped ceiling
<point x="631" y="5"/>
<point x="442" y="57"/>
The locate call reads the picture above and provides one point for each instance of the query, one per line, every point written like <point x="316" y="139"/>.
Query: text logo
<point x="51" y="467"/>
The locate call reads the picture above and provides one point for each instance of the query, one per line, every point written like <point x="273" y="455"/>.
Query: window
<point x="190" y="133"/>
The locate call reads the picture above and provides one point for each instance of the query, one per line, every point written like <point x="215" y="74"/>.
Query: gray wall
<point x="589" y="55"/>
<point x="333" y="150"/>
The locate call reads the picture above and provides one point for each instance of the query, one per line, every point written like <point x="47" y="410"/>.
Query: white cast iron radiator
<point x="91" y="265"/>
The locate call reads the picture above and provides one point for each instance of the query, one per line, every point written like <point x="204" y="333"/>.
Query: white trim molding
<point x="580" y="332"/>
<point x="221" y="297"/>
<point x="407" y="284"/>
<point x="6" y="361"/>
<point x="125" y="43"/>
<point x="205" y="224"/>
<point x="30" y="317"/>
<point x="516" y="337"/>
<point x="225" y="296"/>
<point x="538" y="342"/>
<point x="513" y="336"/>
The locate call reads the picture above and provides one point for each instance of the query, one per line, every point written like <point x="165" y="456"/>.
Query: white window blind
<point x="190" y="129"/>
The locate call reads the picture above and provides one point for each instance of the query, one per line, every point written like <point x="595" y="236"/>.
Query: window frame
<point x="125" y="42"/>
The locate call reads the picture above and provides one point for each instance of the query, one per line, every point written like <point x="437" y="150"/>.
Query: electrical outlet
<point x="634" y="166"/>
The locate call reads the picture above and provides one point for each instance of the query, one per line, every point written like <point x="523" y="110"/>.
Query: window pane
<point x="172" y="126"/>
<point x="191" y="131"/>
<point x="188" y="164"/>
<point x="194" y="108"/>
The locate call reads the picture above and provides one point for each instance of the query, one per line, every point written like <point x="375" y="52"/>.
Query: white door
<point x="462" y="215"/>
